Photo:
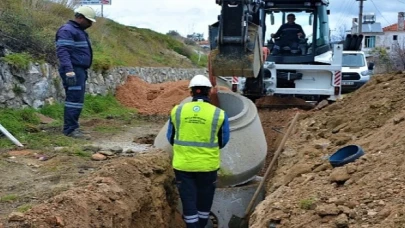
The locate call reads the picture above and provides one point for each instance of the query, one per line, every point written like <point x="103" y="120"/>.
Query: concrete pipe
<point x="245" y="154"/>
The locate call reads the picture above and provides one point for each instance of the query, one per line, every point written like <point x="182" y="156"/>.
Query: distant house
<point x="376" y="36"/>
<point x="371" y="30"/>
<point x="395" y="34"/>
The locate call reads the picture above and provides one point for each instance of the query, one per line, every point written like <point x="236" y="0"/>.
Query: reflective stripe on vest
<point x="214" y="126"/>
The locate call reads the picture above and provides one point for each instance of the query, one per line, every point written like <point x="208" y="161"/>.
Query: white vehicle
<point x="355" y="70"/>
<point x="311" y="70"/>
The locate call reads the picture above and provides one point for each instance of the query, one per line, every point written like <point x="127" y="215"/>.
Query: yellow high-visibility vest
<point x="195" y="147"/>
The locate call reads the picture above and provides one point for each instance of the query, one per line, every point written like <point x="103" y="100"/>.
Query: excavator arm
<point x="236" y="40"/>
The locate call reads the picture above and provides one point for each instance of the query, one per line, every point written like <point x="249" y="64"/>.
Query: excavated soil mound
<point x="153" y="99"/>
<point x="282" y="103"/>
<point x="307" y="191"/>
<point x="128" y="192"/>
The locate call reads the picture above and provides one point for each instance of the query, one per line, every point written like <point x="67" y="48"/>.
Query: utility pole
<point x="359" y="27"/>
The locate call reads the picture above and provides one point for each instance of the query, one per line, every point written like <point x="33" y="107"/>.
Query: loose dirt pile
<point x="153" y="99"/>
<point x="127" y="192"/>
<point x="307" y="192"/>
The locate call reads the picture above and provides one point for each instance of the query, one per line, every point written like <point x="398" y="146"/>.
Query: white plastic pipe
<point x="10" y="136"/>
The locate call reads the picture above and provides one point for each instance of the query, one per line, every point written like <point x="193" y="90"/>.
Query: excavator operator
<point x="289" y="35"/>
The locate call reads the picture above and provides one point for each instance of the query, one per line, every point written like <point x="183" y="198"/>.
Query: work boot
<point x="78" y="134"/>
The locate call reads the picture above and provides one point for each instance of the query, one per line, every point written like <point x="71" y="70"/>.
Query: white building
<point x="376" y="36"/>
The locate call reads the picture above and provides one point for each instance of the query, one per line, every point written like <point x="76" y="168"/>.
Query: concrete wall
<point x="41" y="84"/>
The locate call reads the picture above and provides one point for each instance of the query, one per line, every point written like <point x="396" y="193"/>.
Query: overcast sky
<point x="188" y="16"/>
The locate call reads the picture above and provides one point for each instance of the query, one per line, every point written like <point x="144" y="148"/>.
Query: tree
<point x="382" y="59"/>
<point x="173" y="33"/>
<point x="339" y="34"/>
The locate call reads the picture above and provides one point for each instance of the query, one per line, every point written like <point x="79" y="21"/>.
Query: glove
<point x="71" y="79"/>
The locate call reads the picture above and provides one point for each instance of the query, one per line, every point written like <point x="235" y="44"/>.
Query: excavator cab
<point x="237" y="43"/>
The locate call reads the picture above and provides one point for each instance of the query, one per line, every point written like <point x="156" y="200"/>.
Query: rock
<point x="384" y="213"/>
<point x="106" y="153"/>
<point x="323" y="167"/>
<point x="91" y="148"/>
<point x="59" y="221"/>
<point x="326" y="209"/>
<point x="338" y="128"/>
<point x="16" y="216"/>
<point x="297" y="170"/>
<point x="371" y="213"/>
<point x="117" y="149"/>
<point x="342" y="221"/>
<point x="321" y="144"/>
<point x="398" y="120"/>
<point x="322" y="105"/>
<point x="351" y="168"/>
<point x="339" y="175"/>
<point x="98" y="157"/>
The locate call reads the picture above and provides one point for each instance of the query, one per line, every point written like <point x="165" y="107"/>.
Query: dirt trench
<point x="126" y="192"/>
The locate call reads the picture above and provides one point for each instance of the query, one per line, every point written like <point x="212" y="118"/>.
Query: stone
<point x="326" y="209"/>
<point x="98" y="157"/>
<point x="321" y="144"/>
<point x="106" y="153"/>
<point x="297" y="170"/>
<point x="15" y="216"/>
<point x="339" y="175"/>
<point x="91" y="148"/>
<point x="342" y="221"/>
<point x="117" y="149"/>
<point x="41" y="84"/>
<point x="398" y="120"/>
<point x="322" y="105"/>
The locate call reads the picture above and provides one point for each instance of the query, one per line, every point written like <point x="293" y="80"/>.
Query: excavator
<point x="311" y="71"/>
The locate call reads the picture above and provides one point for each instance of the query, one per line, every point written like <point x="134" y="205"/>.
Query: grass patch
<point x="24" y="208"/>
<point x="24" y="123"/>
<point x="307" y="204"/>
<point x="32" y="31"/>
<point x="18" y="60"/>
<point x="8" y="198"/>
<point x="106" y="107"/>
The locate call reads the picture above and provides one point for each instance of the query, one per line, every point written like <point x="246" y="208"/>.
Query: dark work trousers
<point x="196" y="191"/>
<point x="74" y="99"/>
<point x="282" y="43"/>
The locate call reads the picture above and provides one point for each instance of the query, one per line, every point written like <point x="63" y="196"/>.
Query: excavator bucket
<point x="236" y="55"/>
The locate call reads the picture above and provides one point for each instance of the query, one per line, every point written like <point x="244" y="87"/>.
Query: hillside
<point x="30" y="26"/>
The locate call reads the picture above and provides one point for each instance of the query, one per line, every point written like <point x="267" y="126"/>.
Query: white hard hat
<point x="200" y="80"/>
<point x="87" y="12"/>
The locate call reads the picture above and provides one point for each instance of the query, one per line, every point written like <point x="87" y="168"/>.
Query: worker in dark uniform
<point x="288" y="34"/>
<point x="75" y="57"/>
<point x="197" y="130"/>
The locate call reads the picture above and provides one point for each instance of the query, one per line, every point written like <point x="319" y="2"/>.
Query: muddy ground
<point x="304" y="191"/>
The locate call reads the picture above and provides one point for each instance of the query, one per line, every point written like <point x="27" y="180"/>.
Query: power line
<point x="380" y="12"/>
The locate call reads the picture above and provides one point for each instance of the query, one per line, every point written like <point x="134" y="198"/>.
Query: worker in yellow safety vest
<point x="197" y="130"/>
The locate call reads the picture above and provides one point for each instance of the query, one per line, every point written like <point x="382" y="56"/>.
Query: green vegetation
<point x="24" y="208"/>
<point x="307" y="204"/>
<point x="18" y="60"/>
<point x="25" y="124"/>
<point x="8" y="198"/>
<point x="30" y="27"/>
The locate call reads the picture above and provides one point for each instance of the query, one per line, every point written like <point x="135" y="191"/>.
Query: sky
<point x="189" y="16"/>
